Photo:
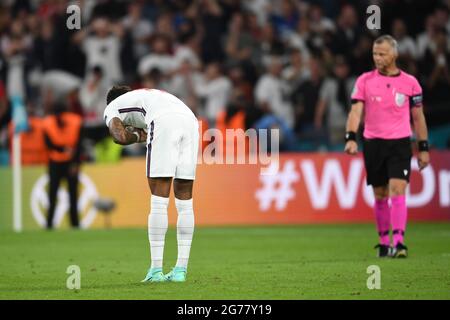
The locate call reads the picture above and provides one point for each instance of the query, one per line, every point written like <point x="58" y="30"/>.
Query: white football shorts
<point x="172" y="146"/>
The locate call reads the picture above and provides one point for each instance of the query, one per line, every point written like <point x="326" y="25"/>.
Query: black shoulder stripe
<point x="133" y="109"/>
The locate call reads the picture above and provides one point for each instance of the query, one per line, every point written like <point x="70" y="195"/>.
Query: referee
<point x="388" y="97"/>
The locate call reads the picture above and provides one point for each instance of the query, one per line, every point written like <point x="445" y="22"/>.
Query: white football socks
<point x="157" y="228"/>
<point x="185" y="230"/>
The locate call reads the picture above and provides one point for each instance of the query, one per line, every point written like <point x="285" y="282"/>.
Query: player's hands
<point x="142" y="134"/>
<point x="351" y="147"/>
<point x="423" y="160"/>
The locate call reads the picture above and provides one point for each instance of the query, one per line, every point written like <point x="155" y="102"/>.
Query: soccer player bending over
<point x="388" y="96"/>
<point x="170" y="130"/>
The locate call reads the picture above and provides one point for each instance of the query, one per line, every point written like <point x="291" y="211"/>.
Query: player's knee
<point x="183" y="189"/>
<point x="160" y="186"/>
<point x="183" y="195"/>
<point x="397" y="189"/>
<point x="380" y="196"/>
<point x="381" y="193"/>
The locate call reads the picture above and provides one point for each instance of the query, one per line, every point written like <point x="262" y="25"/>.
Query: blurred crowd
<point x="287" y="64"/>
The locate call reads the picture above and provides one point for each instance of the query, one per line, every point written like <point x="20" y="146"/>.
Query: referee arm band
<point x="350" y="136"/>
<point x="423" y="145"/>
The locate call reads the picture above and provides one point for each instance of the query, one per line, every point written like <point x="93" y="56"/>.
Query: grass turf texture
<point x="282" y="262"/>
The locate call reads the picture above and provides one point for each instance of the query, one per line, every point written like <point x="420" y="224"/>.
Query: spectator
<point x="211" y="16"/>
<point x="271" y="93"/>
<point x="92" y="97"/>
<point x="269" y="45"/>
<point x="406" y="45"/>
<point x="285" y="21"/>
<point x="3" y="100"/>
<point x="425" y="40"/>
<point x="259" y="8"/>
<point x="305" y="99"/>
<point x="5" y="112"/>
<point x="160" y="58"/>
<point x="44" y="47"/>
<point x="361" y="58"/>
<point x="164" y="26"/>
<point x="296" y="72"/>
<point x="103" y="47"/>
<point x="253" y="26"/>
<point x="319" y="23"/>
<point x="215" y="89"/>
<point x="301" y="38"/>
<point x="239" y="44"/>
<point x="15" y="46"/>
<point x="347" y="32"/>
<point x="182" y="84"/>
<point x="154" y="79"/>
<point x="334" y="102"/>
<point x="441" y="16"/>
<point x="187" y="50"/>
<point x="435" y="67"/>
<point x="140" y="28"/>
<point x="241" y="83"/>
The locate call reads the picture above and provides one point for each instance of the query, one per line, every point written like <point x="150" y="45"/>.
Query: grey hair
<point x="389" y="39"/>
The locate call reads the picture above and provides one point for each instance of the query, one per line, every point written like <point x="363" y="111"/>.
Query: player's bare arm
<point x="420" y="127"/>
<point x="353" y="121"/>
<point x="123" y="135"/>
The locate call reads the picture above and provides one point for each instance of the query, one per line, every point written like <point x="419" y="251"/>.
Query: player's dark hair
<point x="116" y="91"/>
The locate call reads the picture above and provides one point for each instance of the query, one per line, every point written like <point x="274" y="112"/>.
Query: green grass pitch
<point x="273" y="262"/>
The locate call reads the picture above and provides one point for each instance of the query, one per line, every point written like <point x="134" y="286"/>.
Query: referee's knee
<point x="381" y="193"/>
<point x="397" y="189"/>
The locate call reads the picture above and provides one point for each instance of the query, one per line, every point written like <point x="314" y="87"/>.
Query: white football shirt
<point x="138" y="108"/>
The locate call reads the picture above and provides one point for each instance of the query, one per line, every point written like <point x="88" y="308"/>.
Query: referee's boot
<point x="383" y="250"/>
<point x="400" y="251"/>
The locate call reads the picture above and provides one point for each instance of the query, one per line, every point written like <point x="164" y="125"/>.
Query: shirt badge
<point x="399" y="99"/>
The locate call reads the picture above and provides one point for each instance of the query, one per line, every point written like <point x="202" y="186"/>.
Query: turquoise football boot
<point x="178" y="274"/>
<point x="154" y="275"/>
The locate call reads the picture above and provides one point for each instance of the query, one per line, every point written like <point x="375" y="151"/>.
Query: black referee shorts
<point x="386" y="159"/>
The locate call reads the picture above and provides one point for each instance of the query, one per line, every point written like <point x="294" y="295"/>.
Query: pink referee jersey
<point x="387" y="102"/>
